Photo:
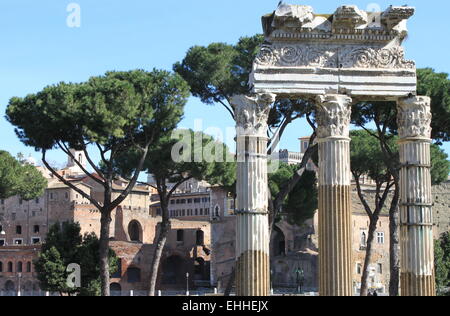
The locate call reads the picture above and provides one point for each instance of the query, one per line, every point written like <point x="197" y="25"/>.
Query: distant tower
<point x="72" y="165"/>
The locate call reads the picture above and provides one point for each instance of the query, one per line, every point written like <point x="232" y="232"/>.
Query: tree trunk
<point x="368" y="259"/>
<point x="161" y="243"/>
<point x="394" y="246"/>
<point x="104" y="251"/>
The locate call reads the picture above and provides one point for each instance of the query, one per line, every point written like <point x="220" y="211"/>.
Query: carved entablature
<point x="333" y="116"/>
<point x="349" y="17"/>
<point x="414" y="118"/>
<point x="252" y="113"/>
<point x="352" y="51"/>
<point x="333" y="56"/>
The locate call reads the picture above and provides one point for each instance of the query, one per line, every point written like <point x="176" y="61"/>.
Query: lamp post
<point x="187" y="284"/>
<point x="19" y="277"/>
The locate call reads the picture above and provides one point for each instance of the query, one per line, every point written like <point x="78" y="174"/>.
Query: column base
<point x="335" y="241"/>
<point x="253" y="274"/>
<point x="417" y="285"/>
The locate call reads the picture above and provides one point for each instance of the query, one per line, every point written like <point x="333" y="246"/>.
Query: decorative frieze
<point x="333" y="56"/>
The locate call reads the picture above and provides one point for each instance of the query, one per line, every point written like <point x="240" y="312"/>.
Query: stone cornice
<point x="297" y="21"/>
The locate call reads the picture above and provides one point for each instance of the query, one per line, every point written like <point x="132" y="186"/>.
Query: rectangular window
<point x="18" y="242"/>
<point x="19" y="230"/>
<point x="36" y="229"/>
<point x="380" y="238"/>
<point x="36" y="240"/>
<point x="380" y="268"/>
<point x="180" y="235"/>
<point x="358" y="268"/>
<point x="2" y="242"/>
<point x="37" y="200"/>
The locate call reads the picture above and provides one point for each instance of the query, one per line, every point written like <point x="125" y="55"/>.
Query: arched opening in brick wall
<point x="115" y="289"/>
<point x="10" y="286"/>
<point x="135" y="231"/>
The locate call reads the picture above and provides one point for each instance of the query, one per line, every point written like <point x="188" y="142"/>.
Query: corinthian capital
<point x="252" y="113"/>
<point x="333" y="116"/>
<point x="414" y="117"/>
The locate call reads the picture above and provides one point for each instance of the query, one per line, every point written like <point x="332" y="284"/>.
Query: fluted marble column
<point x="416" y="235"/>
<point x="335" y="229"/>
<point x="252" y="240"/>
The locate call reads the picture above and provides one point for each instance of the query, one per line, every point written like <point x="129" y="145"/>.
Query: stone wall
<point x="441" y="197"/>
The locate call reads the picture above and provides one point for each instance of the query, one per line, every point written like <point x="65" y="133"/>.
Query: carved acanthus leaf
<point x="252" y="113"/>
<point x="333" y="116"/>
<point x="414" y="117"/>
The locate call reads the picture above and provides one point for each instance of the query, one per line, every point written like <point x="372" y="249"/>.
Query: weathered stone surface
<point x="252" y="236"/>
<point x="416" y="213"/>
<point x="308" y="54"/>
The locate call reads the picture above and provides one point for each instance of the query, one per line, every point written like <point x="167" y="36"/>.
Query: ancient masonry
<point x="349" y="56"/>
<point x="253" y="239"/>
<point x="335" y="212"/>
<point x="417" y="243"/>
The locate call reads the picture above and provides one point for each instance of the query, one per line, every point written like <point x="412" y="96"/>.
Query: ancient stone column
<point x="416" y="234"/>
<point x="335" y="229"/>
<point x="252" y="240"/>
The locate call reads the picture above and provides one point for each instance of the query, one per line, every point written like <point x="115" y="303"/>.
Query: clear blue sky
<point x="38" y="49"/>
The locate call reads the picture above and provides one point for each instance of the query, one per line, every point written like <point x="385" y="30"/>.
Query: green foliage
<point x="437" y="86"/>
<point x="217" y="72"/>
<point x="430" y="83"/>
<point x="185" y="154"/>
<point x="442" y="261"/>
<point x="17" y="178"/>
<point x="112" y="110"/>
<point x="367" y="158"/>
<point x="65" y="245"/>
<point x="301" y="203"/>
<point x="440" y="165"/>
